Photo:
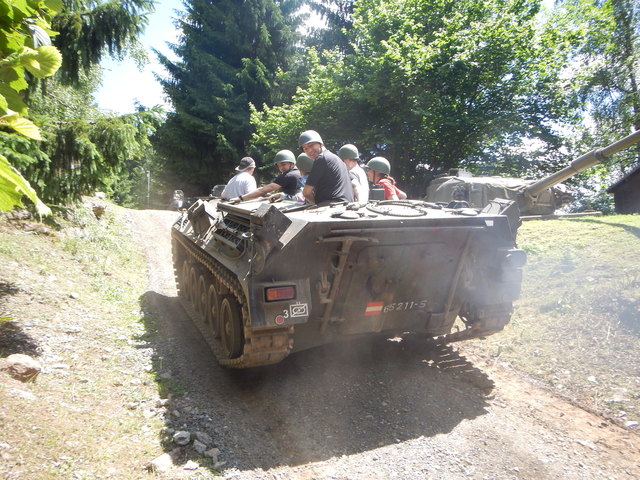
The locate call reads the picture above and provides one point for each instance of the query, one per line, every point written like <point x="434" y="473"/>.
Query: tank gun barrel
<point x="582" y="163"/>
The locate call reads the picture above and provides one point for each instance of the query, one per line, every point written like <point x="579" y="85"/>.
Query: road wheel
<point x="212" y="315"/>
<point x="231" y="323"/>
<point x="184" y="280"/>
<point x="193" y="286"/>
<point x="201" y="296"/>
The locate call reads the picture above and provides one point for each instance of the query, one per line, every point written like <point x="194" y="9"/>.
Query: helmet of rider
<point x="379" y="164"/>
<point x="309" y="136"/>
<point x="285" y="156"/>
<point x="304" y="162"/>
<point x="348" y="152"/>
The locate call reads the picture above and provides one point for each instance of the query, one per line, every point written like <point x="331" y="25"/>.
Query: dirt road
<point x="372" y="409"/>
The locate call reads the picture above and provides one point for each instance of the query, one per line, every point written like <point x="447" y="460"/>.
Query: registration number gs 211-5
<point x="405" y="306"/>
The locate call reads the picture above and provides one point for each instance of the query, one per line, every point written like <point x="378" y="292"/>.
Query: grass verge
<point x="70" y="298"/>
<point x="576" y="327"/>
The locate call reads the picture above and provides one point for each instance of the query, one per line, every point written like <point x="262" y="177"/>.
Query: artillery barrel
<point x="580" y="164"/>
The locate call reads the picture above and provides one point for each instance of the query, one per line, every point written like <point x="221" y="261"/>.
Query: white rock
<point x="631" y="424"/>
<point x="191" y="465"/>
<point x="161" y="463"/>
<point x="21" y="367"/>
<point x="181" y="438"/>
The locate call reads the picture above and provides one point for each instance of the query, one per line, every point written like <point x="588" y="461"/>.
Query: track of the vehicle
<point x="259" y="346"/>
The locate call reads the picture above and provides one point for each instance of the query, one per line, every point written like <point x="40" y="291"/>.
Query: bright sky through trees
<point x="123" y="83"/>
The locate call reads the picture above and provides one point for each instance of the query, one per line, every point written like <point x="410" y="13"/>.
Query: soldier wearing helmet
<point x="378" y="169"/>
<point x="287" y="180"/>
<point x="349" y="155"/>
<point x="329" y="179"/>
<point x="304" y="164"/>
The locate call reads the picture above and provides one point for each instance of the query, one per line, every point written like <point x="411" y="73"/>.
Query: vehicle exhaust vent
<point x="231" y="233"/>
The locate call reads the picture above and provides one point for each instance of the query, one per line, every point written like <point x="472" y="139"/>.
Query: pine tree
<point x="231" y="53"/>
<point x="87" y="29"/>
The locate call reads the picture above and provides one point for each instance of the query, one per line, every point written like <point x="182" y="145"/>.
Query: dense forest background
<point x="498" y="87"/>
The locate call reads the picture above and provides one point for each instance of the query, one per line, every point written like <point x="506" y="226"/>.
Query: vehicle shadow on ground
<point x="340" y="399"/>
<point x="13" y="339"/>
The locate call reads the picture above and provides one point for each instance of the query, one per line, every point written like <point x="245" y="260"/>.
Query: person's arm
<point x="355" y="186"/>
<point x="389" y="190"/>
<point x="309" y="194"/>
<point x="401" y="194"/>
<point x="260" y="192"/>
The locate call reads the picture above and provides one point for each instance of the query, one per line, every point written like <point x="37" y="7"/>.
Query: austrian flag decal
<point x="373" y="308"/>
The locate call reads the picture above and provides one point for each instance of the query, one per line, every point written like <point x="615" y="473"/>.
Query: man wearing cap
<point x="287" y="180"/>
<point x="329" y="178"/>
<point x="243" y="181"/>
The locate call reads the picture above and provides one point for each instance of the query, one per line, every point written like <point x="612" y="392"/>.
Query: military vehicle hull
<point x="264" y="280"/>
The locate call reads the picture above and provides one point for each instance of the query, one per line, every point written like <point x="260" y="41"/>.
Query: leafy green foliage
<point x="231" y="54"/>
<point x="24" y="49"/>
<point x="13" y="187"/>
<point x="427" y="83"/>
<point x="141" y="175"/>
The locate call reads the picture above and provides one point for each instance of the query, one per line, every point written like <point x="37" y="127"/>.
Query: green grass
<point x="576" y="327"/>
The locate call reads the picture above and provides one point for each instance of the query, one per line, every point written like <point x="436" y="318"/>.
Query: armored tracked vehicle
<point x="269" y="279"/>
<point x="262" y="280"/>
<point x="541" y="197"/>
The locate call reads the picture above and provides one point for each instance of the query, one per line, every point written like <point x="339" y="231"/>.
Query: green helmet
<point x="379" y="164"/>
<point x="309" y="136"/>
<point x="348" y="151"/>
<point x="285" y="156"/>
<point x="304" y="162"/>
